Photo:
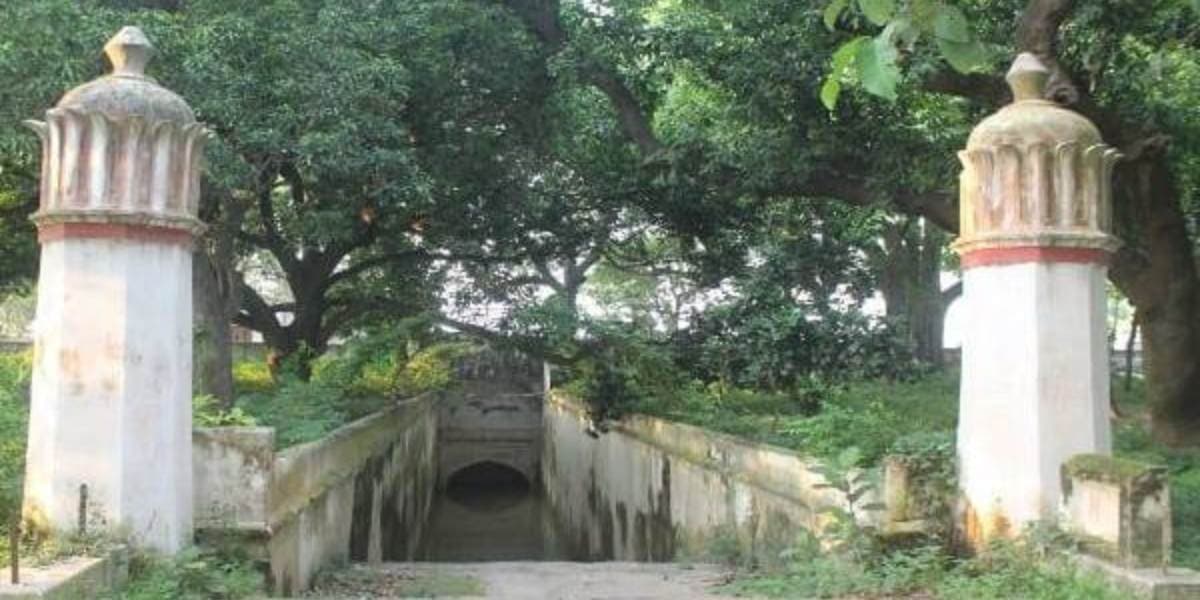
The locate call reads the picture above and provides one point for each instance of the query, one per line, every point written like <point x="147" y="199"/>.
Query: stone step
<point x="526" y="581"/>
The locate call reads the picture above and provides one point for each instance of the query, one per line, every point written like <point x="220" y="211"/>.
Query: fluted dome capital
<point x="121" y="154"/>
<point x="1035" y="176"/>
<point x="128" y="91"/>
<point x="1031" y="119"/>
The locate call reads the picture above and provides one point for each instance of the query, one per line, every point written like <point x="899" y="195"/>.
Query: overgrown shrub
<point x="300" y="411"/>
<point x="353" y="381"/>
<point x="431" y="368"/>
<point x="194" y="574"/>
<point x="252" y="376"/>
<point x="1006" y="571"/>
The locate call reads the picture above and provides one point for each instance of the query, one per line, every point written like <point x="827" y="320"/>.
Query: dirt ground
<point x="525" y="581"/>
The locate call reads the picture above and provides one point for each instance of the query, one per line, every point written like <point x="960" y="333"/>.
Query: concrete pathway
<point x="525" y="581"/>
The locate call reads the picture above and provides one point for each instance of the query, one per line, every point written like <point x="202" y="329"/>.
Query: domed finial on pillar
<point x="1028" y="78"/>
<point x="129" y="52"/>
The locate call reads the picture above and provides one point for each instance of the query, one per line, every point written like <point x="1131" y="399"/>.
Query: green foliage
<point x="622" y="370"/>
<point x="932" y="462"/>
<point x="15" y="371"/>
<point x="1005" y="571"/>
<point x="195" y="574"/>
<point x="207" y="412"/>
<point x="842" y="473"/>
<point x="16" y="313"/>
<point x="431" y="368"/>
<point x="838" y="427"/>
<point x="876" y="59"/>
<point x="251" y="376"/>
<point x="362" y="377"/>
<point x="300" y="411"/>
<point x="822" y="419"/>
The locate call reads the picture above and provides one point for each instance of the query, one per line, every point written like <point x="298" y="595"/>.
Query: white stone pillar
<point x="111" y="397"/>
<point x="1034" y="242"/>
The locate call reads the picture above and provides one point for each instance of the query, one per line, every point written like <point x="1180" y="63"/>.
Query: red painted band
<point x="990" y="257"/>
<point x="114" y="231"/>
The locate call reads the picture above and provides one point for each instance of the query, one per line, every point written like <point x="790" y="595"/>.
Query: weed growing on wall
<point x="207" y="412"/>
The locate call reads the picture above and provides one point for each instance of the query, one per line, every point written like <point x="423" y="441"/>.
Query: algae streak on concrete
<point x="650" y="489"/>
<point x="362" y="493"/>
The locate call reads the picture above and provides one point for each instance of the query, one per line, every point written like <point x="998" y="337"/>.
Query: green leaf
<point x="924" y="14"/>
<point x="845" y="55"/>
<point x="964" y="57"/>
<point x="951" y="24"/>
<point x="830" y="92"/>
<point x="877" y="11"/>
<point x="876" y="62"/>
<point x="834" y="10"/>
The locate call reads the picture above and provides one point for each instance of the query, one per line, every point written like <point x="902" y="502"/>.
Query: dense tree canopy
<point x="732" y="179"/>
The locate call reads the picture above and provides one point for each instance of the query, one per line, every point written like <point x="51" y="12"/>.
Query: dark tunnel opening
<point x="488" y="486"/>
<point x="489" y="511"/>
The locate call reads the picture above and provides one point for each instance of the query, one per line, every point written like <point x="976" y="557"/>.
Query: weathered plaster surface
<point x="111" y="391"/>
<point x="1034" y="388"/>
<point x="650" y="489"/>
<point x="232" y="468"/>
<point x="1119" y="510"/>
<point x="490" y="420"/>
<point x="362" y="493"/>
<point x="73" y="578"/>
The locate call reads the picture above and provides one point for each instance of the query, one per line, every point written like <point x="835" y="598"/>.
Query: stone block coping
<point x="73" y="578"/>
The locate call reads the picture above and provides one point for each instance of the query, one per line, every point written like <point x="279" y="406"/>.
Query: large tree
<point x="764" y="64"/>
<point x="348" y="137"/>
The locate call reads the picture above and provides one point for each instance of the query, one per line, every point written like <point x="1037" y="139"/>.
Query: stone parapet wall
<point x="651" y="489"/>
<point x="362" y="493"/>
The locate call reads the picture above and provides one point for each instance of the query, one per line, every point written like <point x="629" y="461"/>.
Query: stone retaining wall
<point x="651" y="489"/>
<point x="362" y="493"/>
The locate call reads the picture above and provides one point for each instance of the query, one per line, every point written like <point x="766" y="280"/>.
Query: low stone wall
<point x="650" y="489"/>
<point x="232" y="469"/>
<point x="361" y="493"/>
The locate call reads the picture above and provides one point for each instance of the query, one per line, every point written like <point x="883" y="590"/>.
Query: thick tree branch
<point x="633" y="118"/>
<point x="371" y="263"/>
<point x="986" y="89"/>
<point x="255" y="313"/>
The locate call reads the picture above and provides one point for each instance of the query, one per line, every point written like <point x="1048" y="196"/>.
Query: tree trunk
<point x="213" y="347"/>
<point x="215" y="295"/>
<point x="910" y="280"/>
<point x="1159" y="276"/>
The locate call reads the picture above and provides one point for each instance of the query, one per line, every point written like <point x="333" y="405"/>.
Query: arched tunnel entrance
<point x="489" y="511"/>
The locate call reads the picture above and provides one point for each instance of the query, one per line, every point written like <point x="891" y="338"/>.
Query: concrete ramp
<point x="527" y="581"/>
